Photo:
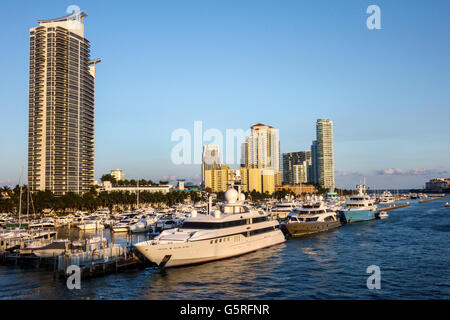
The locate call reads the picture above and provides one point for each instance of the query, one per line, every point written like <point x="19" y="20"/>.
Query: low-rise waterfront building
<point x="109" y="187"/>
<point x="297" y="189"/>
<point x="438" y="185"/>
<point x="118" y="174"/>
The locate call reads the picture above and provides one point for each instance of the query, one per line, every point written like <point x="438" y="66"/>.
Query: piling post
<point x="54" y="267"/>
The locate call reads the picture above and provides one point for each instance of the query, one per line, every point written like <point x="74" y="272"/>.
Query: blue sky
<point x="232" y="64"/>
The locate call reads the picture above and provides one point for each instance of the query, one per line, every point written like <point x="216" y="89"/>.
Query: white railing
<point x="94" y="257"/>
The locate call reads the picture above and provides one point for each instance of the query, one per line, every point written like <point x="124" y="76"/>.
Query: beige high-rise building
<point x="61" y="107"/>
<point x="254" y="180"/>
<point x="259" y="180"/>
<point x="262" y="149"/>
<point x="268" y="180"/>
<point x="325" y="155"/>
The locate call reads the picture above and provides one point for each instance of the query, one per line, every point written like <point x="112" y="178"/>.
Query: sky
<point x="232" y="64"/>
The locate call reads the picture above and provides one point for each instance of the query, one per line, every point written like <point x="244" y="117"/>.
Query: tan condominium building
<point x="61" y="107"/>
<point x="259" y="180"/>
<point x="218" y="180"/>
<point x="262" y="149"/>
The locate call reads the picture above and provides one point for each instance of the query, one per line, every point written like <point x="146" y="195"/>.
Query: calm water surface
<point x="411" y="247"/>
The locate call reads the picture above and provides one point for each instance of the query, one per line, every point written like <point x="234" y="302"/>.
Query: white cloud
<point x="411" y="172"/>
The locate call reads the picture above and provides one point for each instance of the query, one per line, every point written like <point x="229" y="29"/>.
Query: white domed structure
<point x="231" y="196"/>
<point x="241" y="197"/>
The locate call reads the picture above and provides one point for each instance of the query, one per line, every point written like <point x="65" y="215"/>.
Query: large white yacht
<point x="283" y="208"/>
<point x="386" y="198"/>
<point x="233" y="230"/>
<point x="360" y="207"/>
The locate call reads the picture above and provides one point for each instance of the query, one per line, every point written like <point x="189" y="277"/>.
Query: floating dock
<point x="428" y="200"/>
<point x="394" y="207"/>
<point x="93" y="261"/>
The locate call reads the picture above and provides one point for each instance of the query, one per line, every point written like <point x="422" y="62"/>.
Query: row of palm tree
<point x="89" y="201"/>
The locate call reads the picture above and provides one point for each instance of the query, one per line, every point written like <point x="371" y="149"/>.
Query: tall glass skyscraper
<point x="325" y="155"/>
<point x="61" y="107"/>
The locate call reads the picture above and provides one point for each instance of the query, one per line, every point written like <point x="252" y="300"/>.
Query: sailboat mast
<point x="138" y="194"/>
<point x="28" y="200"/>
<point x="20" y="195"/>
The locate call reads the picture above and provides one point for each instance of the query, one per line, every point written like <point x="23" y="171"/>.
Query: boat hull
<point x="298" y="229"/>
<point x="351" y="216"/>
<point x="195" y="252"/>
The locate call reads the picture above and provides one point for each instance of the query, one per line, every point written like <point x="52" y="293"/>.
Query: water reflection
<point x="412" y="248"/>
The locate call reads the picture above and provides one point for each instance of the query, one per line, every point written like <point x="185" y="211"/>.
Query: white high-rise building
<point x="300" y="173"/>
<point x="61" y="107"/>
<point x="325" y="154"/>
<point x="263" y="148"/>
<point x="210" y="159"/>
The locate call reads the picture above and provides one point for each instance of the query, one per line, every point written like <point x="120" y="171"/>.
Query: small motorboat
<point x="383" y="215"/>
<point x="447" y="204"/>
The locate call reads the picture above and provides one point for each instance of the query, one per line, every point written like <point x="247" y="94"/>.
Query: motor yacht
<point x="314" y="216"/>
<point x="144" y="224"/>
<point x="283" y="208"/>
<point x="386" y="198"/>
<point x="360" y="207"/>
<point x="233" y="229"/>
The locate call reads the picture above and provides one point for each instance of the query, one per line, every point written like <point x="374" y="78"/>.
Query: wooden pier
<point x="103" y="268"/>
<point x="432" y="199"/>
<point x="394" y="207"/>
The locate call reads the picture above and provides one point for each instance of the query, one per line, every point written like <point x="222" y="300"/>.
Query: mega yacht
<point x="90" y="224"/>
<point x="359" y="207"/>
<point x="233" y="229"/>
<point x="144" y="224"/>
<point x="314" y="216"/>
<point x="283" y="208"/>
<point x="386" y="198"/>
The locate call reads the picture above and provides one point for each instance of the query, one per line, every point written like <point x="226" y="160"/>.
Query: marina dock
<point x="394" y="207"/>
<point x="432" y="199"/>
<point x="94" y="257"/>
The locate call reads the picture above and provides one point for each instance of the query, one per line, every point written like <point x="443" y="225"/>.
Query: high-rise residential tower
<point x="314" y="169"/>
<point x="210" y="159"/>
<point x="325" y="156"/>
<point x="61" y="107"/>
<point x="263" y="148"/>
<point x="291" y="159"/>
<point x="262" y="151"/>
